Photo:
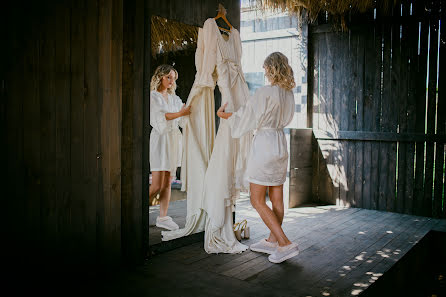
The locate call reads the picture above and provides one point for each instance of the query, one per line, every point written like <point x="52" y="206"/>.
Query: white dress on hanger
<point x="213" y="169"/>
<point x="165" y="137"/>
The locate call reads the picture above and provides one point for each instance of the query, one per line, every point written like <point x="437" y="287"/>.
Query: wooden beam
<point x="378" y="136"/>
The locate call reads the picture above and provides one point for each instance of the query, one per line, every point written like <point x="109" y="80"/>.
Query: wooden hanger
<point x="222" y="14"/>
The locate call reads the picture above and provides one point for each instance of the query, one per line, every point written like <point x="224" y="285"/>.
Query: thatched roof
<point x="338" y="9"/>
<point x="170" y="36"/>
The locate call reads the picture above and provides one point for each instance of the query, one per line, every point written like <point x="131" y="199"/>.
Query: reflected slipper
<point x="166" y="223"/>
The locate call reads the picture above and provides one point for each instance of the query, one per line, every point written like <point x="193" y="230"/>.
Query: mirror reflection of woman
<point x="166" y="110"/>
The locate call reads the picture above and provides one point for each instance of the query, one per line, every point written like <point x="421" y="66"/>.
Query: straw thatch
<point x="171" y="36"/>
<point x="337" y="9"/>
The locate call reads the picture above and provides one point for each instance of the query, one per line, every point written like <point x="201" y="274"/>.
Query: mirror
<point x="172" y="43"/>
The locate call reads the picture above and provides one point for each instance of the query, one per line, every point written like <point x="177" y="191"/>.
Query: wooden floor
<point x="342" y="251"/>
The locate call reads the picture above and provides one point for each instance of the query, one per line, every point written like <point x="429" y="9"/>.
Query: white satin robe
<point x="165" y="137"/>
<point x="267" y="112"/>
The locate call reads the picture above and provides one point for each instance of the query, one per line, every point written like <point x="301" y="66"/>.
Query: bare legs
<point x="271" y="218"/>
<point x="160" y="184"/>
<point x="276" y="197"/>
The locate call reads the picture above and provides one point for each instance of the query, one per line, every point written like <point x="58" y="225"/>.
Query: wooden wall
<point x="301" y="167"/>
<point x="71" y="113"/>
<point x="195" y="12"/>
<point x="376" y="115"/>
<point x="135" y="185"/>
<point x="74" y="120"/>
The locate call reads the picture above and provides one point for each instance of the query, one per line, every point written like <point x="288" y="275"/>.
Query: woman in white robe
<point x="166" y="109"/>
<point x="267" y="113"/>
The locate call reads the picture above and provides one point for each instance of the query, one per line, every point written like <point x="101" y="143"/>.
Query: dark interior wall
<point x="195" y="12"/>
<point x="134" y="178"/>
<point x="72" y="123"/>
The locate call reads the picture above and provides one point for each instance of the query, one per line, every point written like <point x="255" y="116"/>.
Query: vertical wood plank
<point x="375" y="35"/>
<point x="164" y="8"/>
<point x="13" y="142"/>
<point x="31" y="137"/>
<point x="324" y="107"/>
<point x="132" y="124"/>
<point x="62" y="122"/>
<point x="78" y="195"/>
<point x="114" y="125"/>
<point x="345" y="82"/>
<point x="420" y="93"/>
<point x="359" y="145"/>
<point x="91" y="128"/>
<point x="369" y="118"/>
<point x="342" y="113"/>
<point x="401" y="57"/>
<point x="352" y="115"/>
<point x="385" y="187"/>
<point x="331" y="110"/>
<point x="441" y="123"/>
<point x="127" y="125"/>
<point x="326" y="183"/>
<point x="172" y="11"/>
<point x="393" y="108"/>
<point x="105" y="244"/>
<point x="52" y="228"/>
<point x="412" y="48"/>
<point x="431" y="109"/>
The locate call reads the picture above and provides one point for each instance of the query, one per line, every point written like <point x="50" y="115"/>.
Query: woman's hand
<point x="221" y="112"/>
<point x="175" y="115"/>
<point x="185" y="110"/>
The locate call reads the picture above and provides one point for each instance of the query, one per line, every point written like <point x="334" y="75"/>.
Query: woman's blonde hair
<point x="278" y="71"/>
<point x="157" y="77"/>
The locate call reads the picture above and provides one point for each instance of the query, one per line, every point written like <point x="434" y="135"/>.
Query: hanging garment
<point x="267" y="112"/>
<point x="165" y="137"/>
<point x="213" y="169"/>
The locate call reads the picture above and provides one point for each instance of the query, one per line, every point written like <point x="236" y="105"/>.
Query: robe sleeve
<point x="199" y="51"/>
<point x="206" y="55"/>
<point x="178" y="104"/>
<point x="290" y="109"/>
<point x="248" y="117"/>
<point x="157" y="114"/>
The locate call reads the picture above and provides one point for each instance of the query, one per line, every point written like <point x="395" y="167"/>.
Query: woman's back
<point x="276" y="107"/>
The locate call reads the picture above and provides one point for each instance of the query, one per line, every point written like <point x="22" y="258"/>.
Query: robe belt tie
<point x="234" y="71"/>
<point x="267" y="129"/>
